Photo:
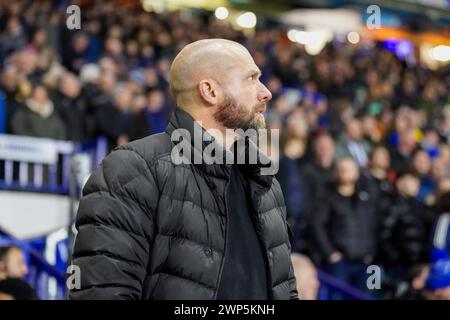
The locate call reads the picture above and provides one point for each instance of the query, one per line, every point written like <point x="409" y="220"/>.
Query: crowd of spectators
<point x="365" y="135"/>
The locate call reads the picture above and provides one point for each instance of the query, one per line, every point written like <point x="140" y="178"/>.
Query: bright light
<point x="440" y="53"/>
<point x="403" y="49"/>
<point x="291" y="34"/>
<point x="247" y="20"/>
<point x="313" y="40"/>
<point x="302" y="37"/>
<point x="353" y="37"/>
<point x="221" y="13"/>
<point x="157" y="6"/>
<point x="313" y="48"/>
<point x="316" y="41"/>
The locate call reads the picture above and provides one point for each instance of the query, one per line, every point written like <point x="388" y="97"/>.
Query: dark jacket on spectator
<point x="295" y="194"/>
<point x="110" y="122"/>
<point x="383" y="189"/>
<point x="151" y="229"/>
<point x="316" y="178"/>
<point x="346" y="224"/>
<point x="139" y="125"/>
<point x="27" y="122"/>
<point x="404" y="233"/>
<point x="72" y="112"/>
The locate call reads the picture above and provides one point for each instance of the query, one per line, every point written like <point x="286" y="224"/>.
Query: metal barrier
<point x="46" y="166"/>
<point x="51" y="170"/>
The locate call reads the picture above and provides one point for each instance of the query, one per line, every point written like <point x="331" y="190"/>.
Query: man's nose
<point x="264" y="94"/>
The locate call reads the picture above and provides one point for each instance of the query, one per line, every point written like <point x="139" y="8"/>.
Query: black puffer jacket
<point x="150" y="229"/>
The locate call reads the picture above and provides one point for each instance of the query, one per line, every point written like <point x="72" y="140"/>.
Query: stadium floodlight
<point x="221" y="13"/>
<point x="291" y="34"/>
<point x="316" y="41"/>
<point x="302" y="37"/>
<point x="246" y="20"/>
<point x="440" y="53"/>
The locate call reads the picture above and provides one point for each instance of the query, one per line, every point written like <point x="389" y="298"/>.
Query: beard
<point x="233" y="115"/>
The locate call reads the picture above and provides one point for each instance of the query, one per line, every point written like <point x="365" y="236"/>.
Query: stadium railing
<point x="32" y="166"/>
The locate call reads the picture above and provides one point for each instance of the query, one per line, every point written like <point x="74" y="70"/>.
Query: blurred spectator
<point x="101" y="90"/>
<point x="421" y="164"/>
<point x="441" y="229"/>
<point x="38" y="45"/>
<point x="110" y="117"/>
<point x="404" y="231"/>
<point x="444" y="124"/>
<point x="444" y="154"/>
<point x="372" y="130"/>
<point x="9" y="88"/>
<point x="318" y="173"/>
<point x="402" y="152"/>
<point x="114" y="50"/>
<point x="439" y="169"/>
<point x="294" y="188"/>
<point x="438" y="281"/>
<point x="16" y="289"/>
<point x="152" y="119"/>
<point x="13" y="38"/>
<point x="75" y="55"/>
<point x="12" y="263"/>
<point x="38" y="118"/>
<point x="352" y="144"/>
<point x="408" y="92"/>
<point x="71" y="106"/>
<point x="412" y="288"/>
<point x="380" y="176"/>
<point x="93" y="50"/>
<point x="306" y="276"/>
<point x="345" y="225"/>
<point x="430" y="142"/>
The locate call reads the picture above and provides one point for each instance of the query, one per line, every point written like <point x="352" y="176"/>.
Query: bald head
<point x="210" y="59"/>
<point x="218" y="83"/>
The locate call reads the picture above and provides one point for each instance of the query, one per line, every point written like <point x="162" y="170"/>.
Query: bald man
<point x="149" y="228"/>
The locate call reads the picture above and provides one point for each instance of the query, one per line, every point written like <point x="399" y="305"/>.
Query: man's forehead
<point x="246" y="64"/>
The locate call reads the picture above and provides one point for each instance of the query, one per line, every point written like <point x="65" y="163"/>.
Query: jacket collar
<point x="180" y="119"/>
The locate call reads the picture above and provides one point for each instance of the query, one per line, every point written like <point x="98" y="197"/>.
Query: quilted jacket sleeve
<point x="115" y="224"/>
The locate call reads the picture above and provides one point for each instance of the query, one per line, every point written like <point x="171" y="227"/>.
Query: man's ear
<point x="209" y="91"/>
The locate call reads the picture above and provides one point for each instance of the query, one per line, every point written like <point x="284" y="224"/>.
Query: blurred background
<point x="360" y="93"/>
